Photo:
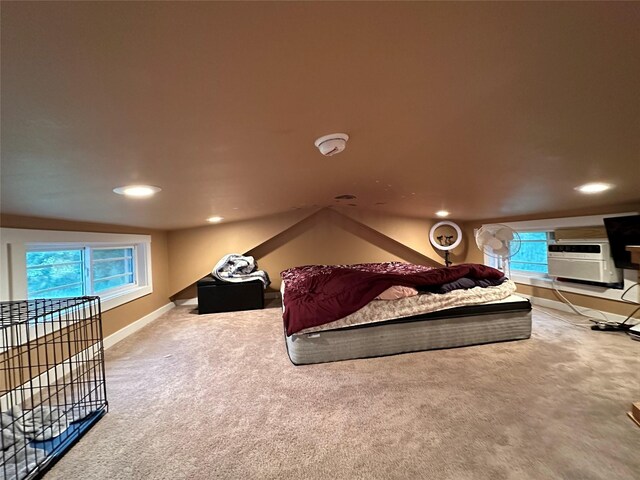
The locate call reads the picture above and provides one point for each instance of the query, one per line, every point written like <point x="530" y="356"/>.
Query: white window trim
<point x="15" y="242"/>
<point x="541" y="280"/>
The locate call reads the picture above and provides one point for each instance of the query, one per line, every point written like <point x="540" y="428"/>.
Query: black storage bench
<point x="216" y="296"/>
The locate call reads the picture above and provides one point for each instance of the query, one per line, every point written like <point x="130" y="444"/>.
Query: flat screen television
<point x="623" y="231"/>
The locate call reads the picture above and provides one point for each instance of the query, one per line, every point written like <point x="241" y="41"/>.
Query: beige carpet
<point x="215" y="396"/>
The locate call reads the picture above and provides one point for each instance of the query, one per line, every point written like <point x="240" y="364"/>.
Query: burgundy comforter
<point x="316" y="295"/>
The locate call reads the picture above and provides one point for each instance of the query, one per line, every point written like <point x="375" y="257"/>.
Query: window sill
<point x="589" y="290"/>
<point x="114" y="300"/>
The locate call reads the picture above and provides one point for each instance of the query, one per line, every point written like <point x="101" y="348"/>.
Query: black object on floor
<point x="215" y="296"/>
<point x="610" y="327"/>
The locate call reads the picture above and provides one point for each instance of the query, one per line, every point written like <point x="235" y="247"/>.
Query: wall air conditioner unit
<point x="585" y="261"/>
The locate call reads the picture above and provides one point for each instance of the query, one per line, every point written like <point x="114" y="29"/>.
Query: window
<point x="56" y="273"/>
<point x="111" y="268"/>
<point x="532" y="255"/>
<point x="53" y="264"/>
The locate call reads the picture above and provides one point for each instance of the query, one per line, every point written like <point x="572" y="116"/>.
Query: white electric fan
<point x="500" y="242"/>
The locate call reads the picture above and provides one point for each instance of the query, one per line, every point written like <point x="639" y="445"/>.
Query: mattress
<point x="382" y="310"/>
<point x="496" y="321"/>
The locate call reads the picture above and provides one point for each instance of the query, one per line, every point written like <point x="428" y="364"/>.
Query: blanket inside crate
<point x="20" y="428"/>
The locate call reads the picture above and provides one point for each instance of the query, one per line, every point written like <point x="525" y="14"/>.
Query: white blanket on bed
<point x="382" y="310"/>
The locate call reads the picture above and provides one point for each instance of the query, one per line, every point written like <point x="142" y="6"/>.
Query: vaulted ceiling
<point x="484" y="109"/>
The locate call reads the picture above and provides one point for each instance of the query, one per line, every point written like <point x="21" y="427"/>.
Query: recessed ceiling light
<point x="215" y="219"/>
<point x="442" y="213"/>
<point x="595" y="187"/>
<point x="137" y="191"/>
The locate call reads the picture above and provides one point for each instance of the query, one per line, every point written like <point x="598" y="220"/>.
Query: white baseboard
<point x="563" y="307"/>
<point x="186" y="301"/>
<point x="123" y="333"/>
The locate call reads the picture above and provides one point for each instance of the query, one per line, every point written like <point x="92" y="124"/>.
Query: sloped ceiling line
<point x="193" y="251"/>
<point x="287" y="232"/>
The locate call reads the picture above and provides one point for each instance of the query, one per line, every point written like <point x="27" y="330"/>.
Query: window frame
<point x="14" y="243"/>
<point x="87" y="262"/>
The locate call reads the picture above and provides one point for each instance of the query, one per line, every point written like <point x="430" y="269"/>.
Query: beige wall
<point x="118" y="317"/>
<point x="327" y="236"/>
<point x="412" y="232"/>
<point x="193" y="252"/>
<point x="585" y="301"/>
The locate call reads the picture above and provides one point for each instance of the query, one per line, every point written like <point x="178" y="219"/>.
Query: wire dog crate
<point x="52" y="387"/>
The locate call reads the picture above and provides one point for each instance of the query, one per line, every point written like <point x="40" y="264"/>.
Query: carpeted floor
<point x="215" y="396"/>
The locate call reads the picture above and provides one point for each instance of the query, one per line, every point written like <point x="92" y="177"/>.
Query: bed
<point x="432" y="320"/>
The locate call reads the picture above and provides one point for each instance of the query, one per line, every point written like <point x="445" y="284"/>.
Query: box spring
<point x="453" y="327"/>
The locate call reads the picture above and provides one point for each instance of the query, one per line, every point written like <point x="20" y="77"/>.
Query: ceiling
<point x="484" y="109"/>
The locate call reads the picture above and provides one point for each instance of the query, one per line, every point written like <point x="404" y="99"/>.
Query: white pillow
<point x="396" y="292"/>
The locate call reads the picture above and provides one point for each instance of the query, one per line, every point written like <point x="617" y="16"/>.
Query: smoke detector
<point x="332" y="144"/>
